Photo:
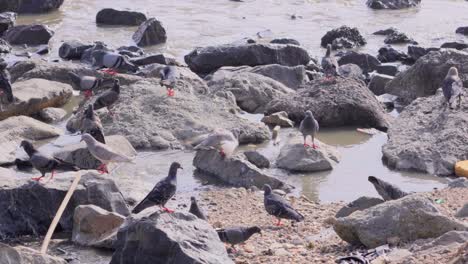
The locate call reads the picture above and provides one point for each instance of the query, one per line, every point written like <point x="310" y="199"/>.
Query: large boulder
<point x="7" y="20"/>
<point x="28" y="34"/>
<point x="157" y="237"/>
<point x="409" y="218"/>
<point x="36" y="6"/>
<point x="427" y="74"/>
<point x="33" y="95"/>
<point x="366" y="62"/>
<point x="236" y="170"/>
<point x="208" y="59"/>
<point x="392" y="4"/>
<point x="24" y="255"/>
<point x="15" y="129"/>
<point x="345" y="102"/>
<point x="27" y="208"/>
<point x="351" y="34"/>
<point x="428" y="137"/>
<point x="150" y="32"/>
<point x="110" y="16"/>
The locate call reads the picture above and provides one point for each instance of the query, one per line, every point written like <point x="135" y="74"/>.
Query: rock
<point x="350" y="71"/>
<point x="409" y="218"/>
<point x="386" y="32"/>
<point x="24" y="255"/>
<point x="427" y="74"/>
<point x="95" y="227"/>
<point x="236" y="170"/>
<point x="462" y="30"/>
<point x="416" y="52"/>
<point x="155" y="237"/>
<point x="28" y="34"/>
<point x="131" y="51"/>
<point x="297" y="158"/>
<point x="52" y="114"/>
<point x="252" y="91"/>
<point x="390" y="70"/>
<point x="7" y="20"/>
<point x="389" y="54"/>
<point x="448" y="239"/>
<point x="209" y="59"/>
<point x="15" y="129"/>
<point x="461" y="168"/>
<point x="454" y="45"/>
<point x="36" y="6"/>
<point x="359" y="204"/>
<point x="366" y="62"/>
<point x="151" y="59"/>
<point x="390" y="101"/>
<point x="458" y="183"/>
<point x="33" y="95"/>
<point x="27" y="208"/>
<point x="346" y="102"/>
<point x="463" y="212"/>
<point x="399" y="38"/>
<point x="378" y="82"/>
<point x="426" y="137"/>
<point x="110" y="16"/>
<point x="257" y="159"/>
<point x="392" y="4"/>
<point x="351" y="34"/>
<point x="73" y="50"/>
<point x="150" y="32"/>
<point x="280" y="119"/>
<point x="285" y="41"/>
<point x="42" y="50"/>
<point x="7" y="172"/>
<point x="79" y="155"/>
<point x="4" y="46"/>
<point x="342" y="43"/>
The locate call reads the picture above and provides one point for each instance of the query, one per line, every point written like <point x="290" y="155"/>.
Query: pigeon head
<point x="116" y="86"/>
<point x="309" y="114"/>
<point x="329" y="49"/>
<point x="193" y="200"/>
<point x="173" y="169"/>
<point x="28" y="147"/>
<point x="87" y="138"/>
<point x="373" y="179"/>
<point x="255" y="229"/>
<point x="267" y="189"/>
<point x="452" y="72"/>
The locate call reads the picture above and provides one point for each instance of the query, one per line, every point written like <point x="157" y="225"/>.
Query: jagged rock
<point x="280" y="119"/>
<point x="351" y="34"/>
<point x="7" y="20"/>
<point x="416" y="52"/>
<point x="36" y="6"/>
<point x="24" y="255"/>
<point x="399" y="38"/>
<point x="366" y="62"/>
<point x="110" y="16"/>
<point x="378" y="82"/>
<point x="392" y="4"/>
<point x="150" y="32"/>
<point x="285" y="41"/>
<point x="359" y="204"/>
<point x="28" y="34"/>
<point x="257" y="159"/>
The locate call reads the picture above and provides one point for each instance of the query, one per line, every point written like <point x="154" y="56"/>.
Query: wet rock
<point x="280" y="119"/>
<point x="351" y="34"/>
<point x="52" y="114"/>
<point x="389" y="54"/>
<point x="36" y="6"/>
<point x="15" y="129"/>
<point x="366" y="62"/>
<point x="386" y="32"/>
<point x="236" y="170"/>
<point x="462" y="30"/>
<point x="463" y="212"/>
<point x="27" y="208"/>
<point x="110" y="16"/>
<point x="24" y="255"/>
<point x="7" y="20"/>
<point x="95" y="227"/>
<point x="73" y="50"/>
<point x="342" y="103"/>
<point x="378" y="82"/>
<point x="208" y="59"/>
<point x="297" y="158"/>
<point x="390" y="70"/>
<point x="350" y="71"/>
<point x="257" y="159"/>
<point x="426" y="137"/>
<point x="28" y="34"/>
<point x="427" y="74"/>
<point x="416" y="52"/>
<point x="33" y="95"/>
<point x="151" y="59"/>
<point x="392" y="4"/>
<point x="252" y="91"/>
<point x="4" y="46"/>
<point x="131" y="51"/>
<point x="285" y="41"/>
<point x="151" y="32"/>
<point x="454" y="45"/>
<point x="342" y="43"/>
<point x="418" y="218"/>
<point x="359" y="204"/>
<point x="399" y="38"/>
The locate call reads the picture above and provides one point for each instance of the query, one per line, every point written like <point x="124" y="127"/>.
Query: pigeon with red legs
<point x="5" y="84"/>
<point x="162" y="191"/>
<point x="221" y="140"/>
<point x="452" y="87"/>
<point x="237" y="235"/>
<point x="108" y="98"/>
<point x="169" y="77"/>
<point x="329" y="65"/>
<point x="45" y="163"/>
<point x="87" y="84"/>
<point x="92" y="125"/>
<point x="276" y="206"/>
<point x="309" y="126"/>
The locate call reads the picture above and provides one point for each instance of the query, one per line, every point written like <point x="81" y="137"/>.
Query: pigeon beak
<point x="181" y="168"/>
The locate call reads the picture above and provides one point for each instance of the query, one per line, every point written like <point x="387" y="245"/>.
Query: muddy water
<point x="191" y="23"/>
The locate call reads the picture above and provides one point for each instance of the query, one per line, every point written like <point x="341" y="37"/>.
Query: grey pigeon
<point x="45" y="163"/>
<point x="108" y="98"/>
<point x="195" y="210"/>
<point x="275" y="205"/>
<point x="162" y="191"/>
<point x="309" y="126"/>
<point x="112" y="61"/>
<point x="221" y="140"/>
<point x="169" y="75"/>
<point x="5" y="84"/>
<point x="88" y="84"/>
<point x="329" y="64"/>
<point x="237" y="235"/>
<point x="386" y="190"/>
<point x="103" y="153"/>
<point x="452" y="87"/>
<point x="91" y="124"/>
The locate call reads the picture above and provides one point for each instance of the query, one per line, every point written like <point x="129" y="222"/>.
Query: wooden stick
<point x="53" y="225"/>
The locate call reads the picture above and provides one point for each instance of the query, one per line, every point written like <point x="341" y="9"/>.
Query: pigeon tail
<point x="75" y="78"/>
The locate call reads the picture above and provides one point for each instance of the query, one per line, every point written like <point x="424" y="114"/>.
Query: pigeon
<point x="309" y="126"/>
<point x="222" y="140"/>
<point x="89" y="83"/>
<point x="108" y="98"/>
<point x="237" y="235"/>
<point x="103" y="153"/>
<point x="21" y="165"/>
<point x="195" y="210"/>
<point x="275" y="135"/>
<point x="275" y="205"/>
<point x="168" y="78"/>
<point x="329" y="64"/>
<point x="452" y="87"/>
<point x="45" y="163"/>
<point x="91" y="124"/>
<point x="386" y="190"/>
<point x="162" y="191"/>
<point x="112" y="61"/>
<point x="5" y="84"/>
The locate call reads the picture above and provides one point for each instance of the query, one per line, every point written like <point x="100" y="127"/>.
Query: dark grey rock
<point x="390" y="70"/>
<point x="257" y="159"/>
<point x="28" y="34"/>
<point x="36" y="6"/>
<point x="4" y="46"/>
<point x="73" y="50"/>
<point x="458" y="183"/>
<point x="150" y="32"/>
<point x="7" y="20"/>
<point x="416" y="52"/>
<point x="454" y="45"/>
<point x="386" y="32"/>
<point x="366" y="62"/>
<point x="285" y="41"/>
<point x="110" y="16"/>
<point x="392" y="4"/>
<point x="389" y="54"/>
<point x="359" y="204"/>
<point x="399" y="38"/>
<point x="351" y="34"/>
<point x="378" y="82"/>
<point x="156" y="58"/>
<point x="462" y="30"/>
